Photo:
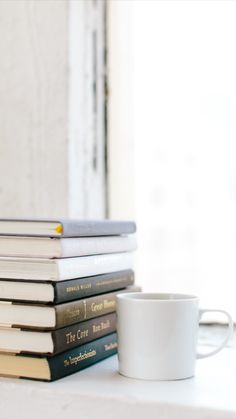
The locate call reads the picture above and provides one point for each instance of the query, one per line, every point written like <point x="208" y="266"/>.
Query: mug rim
<point x="160" y="297"/>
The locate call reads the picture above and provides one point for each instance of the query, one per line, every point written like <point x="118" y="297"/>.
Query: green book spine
<point x="82" y="357"/>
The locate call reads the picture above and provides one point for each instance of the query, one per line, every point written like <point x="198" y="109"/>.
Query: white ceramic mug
<point x="157" y="335"/>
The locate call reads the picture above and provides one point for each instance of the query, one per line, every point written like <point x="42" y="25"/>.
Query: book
<point x="65" y="227"/>
<point x="46" y="368"/>
<point x="35" y="316"/>
<point x="63" y="269"/>
<point x="63" y="291"/>
<point x="53" y="342"/>
<point x="48" y="247"/>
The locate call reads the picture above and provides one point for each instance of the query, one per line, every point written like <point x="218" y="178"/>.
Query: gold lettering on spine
<point x="85" y="309"/>
<point x="85" y="286"/>
<point x="70" y="338"/>
<point x="96" y="307"/>
<point x="82" y="334"/>
<point x="104" y="305"/>
<point x="110" y="346"/>
<point x="72" y="313"/>
<point x="109" y="303"/>
<point x="99" y="284"/>
<point x="81" y="357"/>
<point x="73" y="337"/>
<point x="78" y="287"/>
<point x="101" y="326"/>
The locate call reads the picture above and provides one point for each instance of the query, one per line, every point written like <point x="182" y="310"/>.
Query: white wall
<point x="33" y="107"/>
<point x="51" y="137"/>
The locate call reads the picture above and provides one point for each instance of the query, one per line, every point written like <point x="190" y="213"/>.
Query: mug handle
<point x="228" y="334"/>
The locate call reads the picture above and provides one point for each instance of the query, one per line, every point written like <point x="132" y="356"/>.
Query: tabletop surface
<point x="99" y="392"/>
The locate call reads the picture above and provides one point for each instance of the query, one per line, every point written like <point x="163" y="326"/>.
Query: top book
<point x="65" y="227"/>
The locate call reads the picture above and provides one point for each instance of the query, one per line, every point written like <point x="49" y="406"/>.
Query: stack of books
<point x="58" y="286"/>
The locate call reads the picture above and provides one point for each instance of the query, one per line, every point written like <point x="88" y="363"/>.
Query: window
<point x="184" y="143"/>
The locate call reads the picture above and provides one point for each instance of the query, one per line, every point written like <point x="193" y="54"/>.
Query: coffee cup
<point x="158" y="335"/>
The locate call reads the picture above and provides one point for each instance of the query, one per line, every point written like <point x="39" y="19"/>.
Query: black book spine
<point x="82" y="357"/>
<point x="85" y="287"/>
<point x="79" y="334"/>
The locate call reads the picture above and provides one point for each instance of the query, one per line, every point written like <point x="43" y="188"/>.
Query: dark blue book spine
<point x="82" y="357"/>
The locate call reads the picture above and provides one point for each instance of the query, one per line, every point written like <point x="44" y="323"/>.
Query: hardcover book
<point x="34" y="316"/>
<point x="33" y="269"/>
<point x="34" y="341"/>
<point x="48" y="247"/>
<point x="65" y="227"/>
<point x="61" y="365"/>
<point x="63" y="291"/>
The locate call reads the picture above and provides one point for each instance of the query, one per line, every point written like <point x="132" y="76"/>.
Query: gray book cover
<point x="63" y="227"/>
<point x="96" y="227"/>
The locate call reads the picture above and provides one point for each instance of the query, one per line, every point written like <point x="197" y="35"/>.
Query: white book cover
<point x="49" y="248"/>
<point x="64" y="269"/>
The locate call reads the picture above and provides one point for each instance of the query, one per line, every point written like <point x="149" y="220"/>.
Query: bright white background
<point x="173" y="84"/>
<point x="185" y="145"/>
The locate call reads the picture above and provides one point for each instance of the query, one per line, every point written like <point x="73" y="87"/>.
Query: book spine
<point x="82" y="357"/>
<point x="85" y="246"/>
<point x="82" y="266"/>
<point x="85" y="287"/>
<point x="81" y="310"/>
<point x="79" y="334"/>
<point x="91" y="228"/>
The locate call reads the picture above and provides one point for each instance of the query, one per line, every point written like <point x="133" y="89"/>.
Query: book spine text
<point x="85" y="287"/>
<point x="82" y="357"/>
<point x="79" y="334"/>
<point x="81" y="310"/>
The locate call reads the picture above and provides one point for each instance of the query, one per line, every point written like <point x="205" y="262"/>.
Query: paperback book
<point x="34" y="269"/>
<point x="50" y="248"/>
<point x="48" y="368"/>
<point x="19" y="340"/>
<point x="36" y="316"/>
<point x="65" y="227"/>
<point x="63" y="291"/>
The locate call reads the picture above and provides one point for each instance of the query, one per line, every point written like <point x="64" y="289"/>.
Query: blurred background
<point x="126" y="109"/>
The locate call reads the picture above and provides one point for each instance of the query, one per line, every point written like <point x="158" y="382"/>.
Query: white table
<point x="99" y="392"/>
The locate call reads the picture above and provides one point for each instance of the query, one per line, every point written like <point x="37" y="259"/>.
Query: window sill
<point x="100" y="392"/>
